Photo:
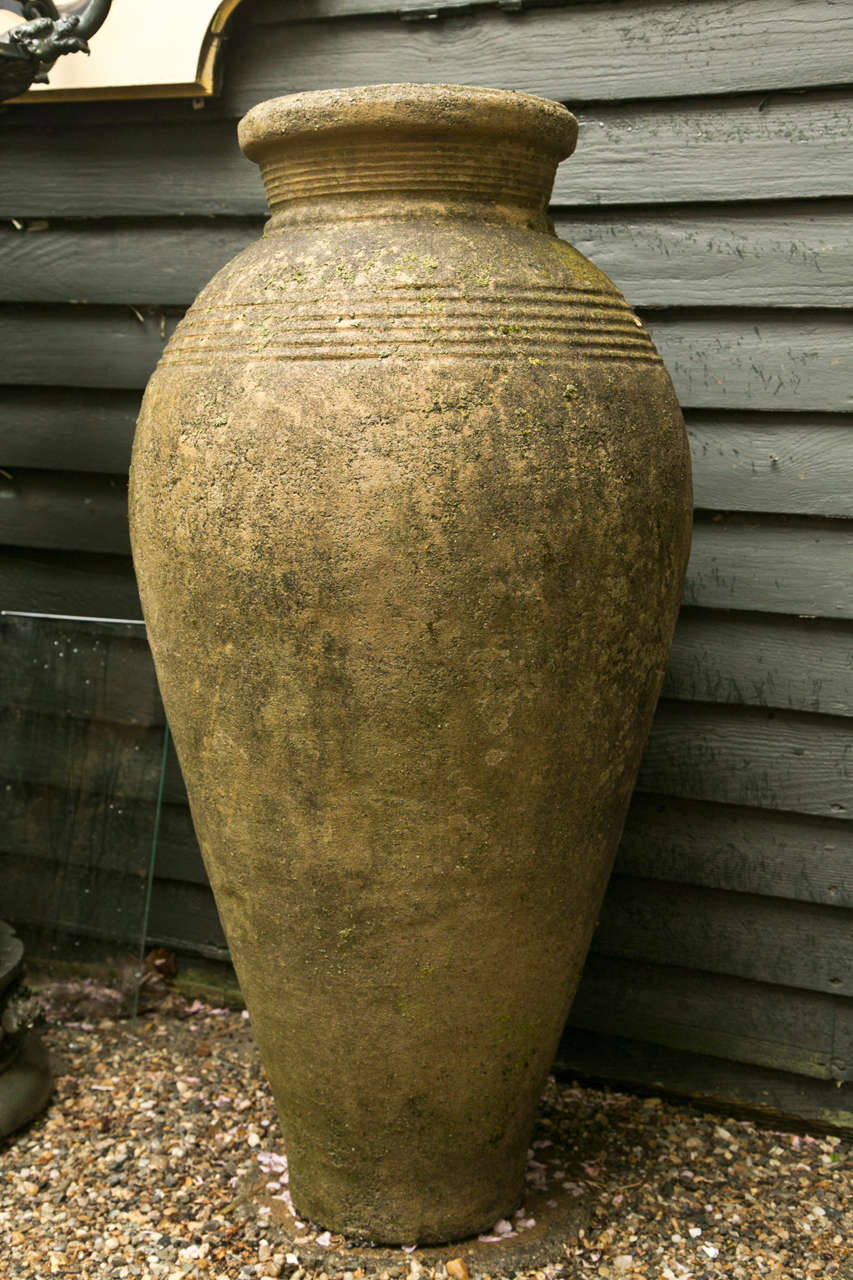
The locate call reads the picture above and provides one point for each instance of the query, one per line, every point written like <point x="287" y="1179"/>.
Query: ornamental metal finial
<point x="28" y="52"/>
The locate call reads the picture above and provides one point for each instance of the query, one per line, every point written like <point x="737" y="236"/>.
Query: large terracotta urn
<point x="410" y="508"/>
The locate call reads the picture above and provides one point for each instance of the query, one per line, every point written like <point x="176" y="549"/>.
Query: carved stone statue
<point x="28" y="51"/>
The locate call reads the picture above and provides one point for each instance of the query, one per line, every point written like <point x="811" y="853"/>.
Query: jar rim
<point x="424" y="108"/>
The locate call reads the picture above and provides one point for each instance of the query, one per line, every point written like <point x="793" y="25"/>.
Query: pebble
<point x="134" y="1168"/>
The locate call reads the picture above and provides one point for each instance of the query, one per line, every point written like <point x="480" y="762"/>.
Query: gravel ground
<point x="161" y="1157"/>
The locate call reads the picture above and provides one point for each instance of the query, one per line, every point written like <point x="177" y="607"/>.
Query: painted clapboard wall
<point x="713" y="182"/>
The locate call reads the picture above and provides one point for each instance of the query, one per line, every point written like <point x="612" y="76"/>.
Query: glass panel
<point x="82" y="735"/>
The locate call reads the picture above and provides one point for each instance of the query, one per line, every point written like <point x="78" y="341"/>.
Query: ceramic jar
<point x="410" y="507"/>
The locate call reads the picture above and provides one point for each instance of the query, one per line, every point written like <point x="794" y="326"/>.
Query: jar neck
<point x="340" y="177"/>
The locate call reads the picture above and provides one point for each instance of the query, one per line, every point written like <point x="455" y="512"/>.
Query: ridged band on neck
<point x="441" y="144"/>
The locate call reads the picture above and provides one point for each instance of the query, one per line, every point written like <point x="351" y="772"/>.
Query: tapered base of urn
<point x="456" y="1199"/>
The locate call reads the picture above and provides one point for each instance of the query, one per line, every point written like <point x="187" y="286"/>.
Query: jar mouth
<point x="425" y="109"/>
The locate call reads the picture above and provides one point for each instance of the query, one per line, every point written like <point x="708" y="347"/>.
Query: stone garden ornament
<point x="410" y="507"/>
<point x="28" y="51"/>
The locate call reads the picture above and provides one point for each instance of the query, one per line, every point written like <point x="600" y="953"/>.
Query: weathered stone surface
<point x="410" y="506"/>
<point x="26" y="1083"/>
<point x="11" y="956"/>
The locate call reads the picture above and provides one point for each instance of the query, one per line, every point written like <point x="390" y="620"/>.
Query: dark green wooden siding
<point x="714" y="182"/>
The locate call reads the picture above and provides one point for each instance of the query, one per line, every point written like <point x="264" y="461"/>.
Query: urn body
<point x="410" y="508"/>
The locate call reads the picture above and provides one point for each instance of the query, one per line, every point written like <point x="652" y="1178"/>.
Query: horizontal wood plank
<point x="764" y="759"/>
<point x="585" y="52"/>
<point x="782" y="463"/>
<point x="720" y="846"/>
<point x="792" y="147"/>
<point x="60" y="429"/>
<point x="85" y="670"/>
<point x="68" y="582"/>
<point x="763" y="361"/>
<point x="185" y="915"/>
<point x="762" y="661"/>
<point x="100" y="347"/>
<point x="50" y="828"/>
<point x="74" y="901"/>
<point x="737" y="149"/>
<point x="772" y="567"/>
<point x="747" y="257"/>
<point x="166" y="168"/>
<point x="64" y="510"/>
<point x="789" y="944"/>
<point x="710" y="1013"/>
<point x="311" y="10"/>
<point x="776" y="1097"/>
<point x="91" y="757"/>
<point x="735" y="257"/>
<point x="163" y="264"/>
<point x="753" y="360"/>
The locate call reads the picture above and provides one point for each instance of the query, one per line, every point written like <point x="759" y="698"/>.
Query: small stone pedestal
<point x="25" y="1079"/>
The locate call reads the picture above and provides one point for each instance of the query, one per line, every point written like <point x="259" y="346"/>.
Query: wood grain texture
<point x="91" y="757"/>
<point x="792" y="944"/>
<point x="184" y="915"/>
<point x="748" y="256"/>
<point x="747" y="756"/>
<point x="720" y="846"/>
<point x="64" y="510"/>
<point x="794" y="567"/>
<point x="52" y="829"/>
<point x="800" y="464"/>
<point x="80" y="346"/>
<point x="587" y="52"/>
<point x="154" y="263"/>
<point x="162" y="168"/>
<point x="735" y="257"/>
<point x="762" y="661"/>
<point x="761" y="149"/>
<point x="709" y="1082"/>
<point x="68" y="582"/>
<point x="74" y="901"/>
<point x="82" y="670"/>
<point x="717" y="150"/>
<point x="758" y="361"/>
<point x="709" y="1013"/>
<point x="60" y="429"/>
<point x="754" y="361"/>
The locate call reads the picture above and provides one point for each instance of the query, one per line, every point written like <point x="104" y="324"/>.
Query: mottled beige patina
<point x="410" y="508"/>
